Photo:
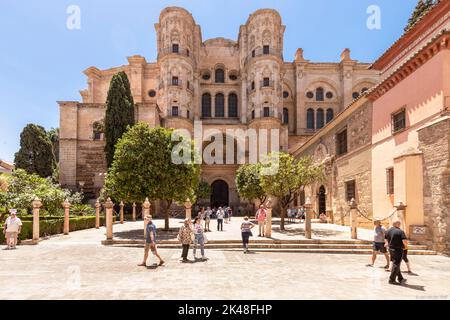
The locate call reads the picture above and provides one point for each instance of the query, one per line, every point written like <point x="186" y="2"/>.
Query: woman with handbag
<point x="199" y="238"/>
<point x="246" y="229"/>
<point x="185" y="236"/>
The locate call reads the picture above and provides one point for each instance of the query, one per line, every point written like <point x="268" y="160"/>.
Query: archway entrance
<point x="322" y="200"/>
<point x="219" y="194"/>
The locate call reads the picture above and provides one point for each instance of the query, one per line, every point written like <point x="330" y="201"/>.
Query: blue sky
<point x="41" y="60"/>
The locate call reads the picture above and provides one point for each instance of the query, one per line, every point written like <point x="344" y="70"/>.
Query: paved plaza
<point x="77" y="266"/>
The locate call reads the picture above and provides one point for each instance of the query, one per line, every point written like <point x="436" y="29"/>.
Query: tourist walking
<point x="225" y="216"/>
<point x="230" y="213"/>
<point x="199" y="239"/>
<point x="220" y="214"/>
<point x="396" y="241"/>
<point x="208" y="214"/>
<point x="11" y="229"/>
<point x="378" y="244"/>
<point x="185" y="236"/>
<point x="150" y="242"/>
<point x="246" y="229"/>
<point x="261" y="218"/>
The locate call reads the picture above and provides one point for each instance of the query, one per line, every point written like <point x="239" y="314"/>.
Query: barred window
<point x="320" y="118"/>
<point x="310" y="119"/>
<point x="174" y="111"/>
<point x="319" y="94"/>
<point x="175" y="48"/>
<point x="266" y="50"/>
<point x="390" y="181"/>
<point x="220" y="105"/>
<point x="232" y="105"/>
<point x="399" y="121"/>
<point x="220" y="76"/>
<point x="206" y="105"/>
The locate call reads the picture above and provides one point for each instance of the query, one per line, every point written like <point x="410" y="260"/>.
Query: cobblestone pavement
<point x="78" y="267"/>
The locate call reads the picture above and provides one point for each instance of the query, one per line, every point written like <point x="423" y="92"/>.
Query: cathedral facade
<point x="225" y="84"/>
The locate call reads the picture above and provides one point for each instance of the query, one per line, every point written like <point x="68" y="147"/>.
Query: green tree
<point x="143" y="167"/>
<point x="248" y="182"/>
<point x="53" y="136"/>
<point x="420" y="9"/>
<point x="119" y="113"/>
<point x="35" y="154"/>
<point x="288" y="177"/>
<point x="203" y="191"/>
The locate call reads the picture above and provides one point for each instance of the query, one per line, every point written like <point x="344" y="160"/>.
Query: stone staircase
<point x="292" y="246"/>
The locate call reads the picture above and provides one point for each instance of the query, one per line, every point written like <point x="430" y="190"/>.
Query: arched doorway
<point x="219" y="194"/>
<point x="322" y="200"/>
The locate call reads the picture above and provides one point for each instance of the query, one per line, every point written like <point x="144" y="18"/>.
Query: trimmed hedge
<point x="53" y="225"/>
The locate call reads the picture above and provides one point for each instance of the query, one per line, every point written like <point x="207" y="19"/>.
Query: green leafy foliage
<point x="36" y="151"/>
<point x="143" y="167"/>
<point x="23" y="188"/>
<point x="203" y="191"/>
<point x="119" y="113"/>
<point x="290" y="176"/>
<point x="248" y="182"/>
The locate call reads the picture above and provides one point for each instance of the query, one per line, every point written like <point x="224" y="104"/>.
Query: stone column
<point x="37" y="204"/>
<point x="109" y="205"/>
<point x="401" y="211"/>
<point x="268" y="231"/>
<point x="97" y="214"/>
<point x="308" y="217"/>
<point x="66" y="206"/>
<point x="145" y="212"/>
<point x="121" y="211"/>
<point x="243" y="102"/>
<point x="353" y="219"/>
<point x="188" y="207"/>
<point x="133" y="216"/>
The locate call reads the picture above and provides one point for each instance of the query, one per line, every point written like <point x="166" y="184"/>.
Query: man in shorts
<point x="378" y="244"/>
<point x="12" y="229"/>
<point x="150" y="242"/>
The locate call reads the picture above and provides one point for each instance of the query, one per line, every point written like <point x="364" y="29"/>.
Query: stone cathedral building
<point x="240" y="84"/>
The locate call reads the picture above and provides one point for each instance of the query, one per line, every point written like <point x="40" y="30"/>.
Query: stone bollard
<point x="97" y="214"/>
<point x="133" y="216"/>
<point x="66" y="206"/>
<point x="353" y="219"/>
<point x="268" y="227"/>
<point x="145" y="212"/>
<point x="37" y="204"/>
<point x="188" y="207"/>
<point x="109" y="205"/>
<point x="401" y="210"/>
<point x="121" y="211"/>
<point x="308" y="218"/>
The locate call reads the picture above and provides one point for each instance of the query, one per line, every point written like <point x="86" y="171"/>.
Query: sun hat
<point x="12" y="211"/>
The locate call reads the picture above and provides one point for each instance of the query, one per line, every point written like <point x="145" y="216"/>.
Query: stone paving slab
<point x="77" y="266"/>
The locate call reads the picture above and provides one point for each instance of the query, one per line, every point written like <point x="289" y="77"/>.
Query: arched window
<point x="220" y="76"/>
<point x="330" y="115"/>
<point x="285" y="115"/>
<point x="206" y="105"/>
<point x="253" y="114"/>
<point x="310" y="119"/>
<point x="319" y="94"/>
<point x="320" y="118"/>
<point x="232" y="105"/>
<point x="219" y="105"/>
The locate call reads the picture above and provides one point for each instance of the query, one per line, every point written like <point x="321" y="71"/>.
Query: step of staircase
<point x="306" y="246"/>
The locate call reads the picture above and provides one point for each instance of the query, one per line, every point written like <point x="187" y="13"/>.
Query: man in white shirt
<point x="11" y="229"/>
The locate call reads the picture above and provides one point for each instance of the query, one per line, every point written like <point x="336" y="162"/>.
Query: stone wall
<point x="434" y="142"/>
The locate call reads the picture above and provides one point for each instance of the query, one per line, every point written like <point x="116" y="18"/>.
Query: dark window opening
<point x="320" y="119"/>
<point x="310" y="119"/>
<point x="174" y="81"/>
<point x="220" y="76"/>
<point x="266" y="112"/>
<point x="355" y="95"/>
<point x="253" y="114"/>
<point x="188" y="114"/>
<point x="390" y="181"/>
<point x="232" y="105"/>
<point x="285" y="115"/>
<point x="152" y="93"/>
<point x="220" y="105"/>
<point x="206" y="105"/>
<point x="319" y="94"/>
<point x="266" y="50"/>
<point x="174" y="111"/>
<point x="253" y="53"/>
<point x="341" y="142"/>
<point x="329" y="95"/>
<point x="350" y="190"/>
<point x="253" y="85"/>
<point x="310" y="95"/>
<point x="266" y="82"/>
<point x="175" y="48"/>
<point x="330" y="115"/>
<point x="285" y="94"/>
<point x="399" y="121"/>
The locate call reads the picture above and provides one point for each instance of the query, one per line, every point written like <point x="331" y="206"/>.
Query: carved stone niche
<point x="321" y="153"/>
